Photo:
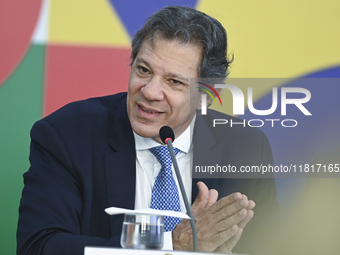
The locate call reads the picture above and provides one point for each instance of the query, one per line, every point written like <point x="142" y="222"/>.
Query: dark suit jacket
<point x="83" y="161"/>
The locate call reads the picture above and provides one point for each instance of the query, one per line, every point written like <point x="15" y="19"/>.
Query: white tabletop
<point x="113" y="251"/>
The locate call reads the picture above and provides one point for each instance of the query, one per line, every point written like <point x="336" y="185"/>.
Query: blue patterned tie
<point x="165" y="193"/>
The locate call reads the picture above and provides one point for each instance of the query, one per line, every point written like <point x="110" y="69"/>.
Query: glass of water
<point x="142" y="231"/>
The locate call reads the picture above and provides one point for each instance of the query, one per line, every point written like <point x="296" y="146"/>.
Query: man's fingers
<point x="226" y="201"/>
<point x="202" y="198"/>
<point x="251" y="205"/>
<point x="222" y="209"/>
<point x="228" y="246"/>
<point x="213" y="195"/>
<point x="245" y="221"/>
<point x="230" y="221"/>
<point x="224" y="236"/>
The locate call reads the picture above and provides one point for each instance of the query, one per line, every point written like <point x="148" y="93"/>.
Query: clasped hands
<point x="219" y="223"/>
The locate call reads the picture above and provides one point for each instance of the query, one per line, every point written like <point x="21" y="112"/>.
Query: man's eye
<point x="176" y="82"/>
<point x="142" y="69"/>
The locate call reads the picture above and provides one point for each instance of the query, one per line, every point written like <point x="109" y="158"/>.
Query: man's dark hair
<point x="188" y="25"/>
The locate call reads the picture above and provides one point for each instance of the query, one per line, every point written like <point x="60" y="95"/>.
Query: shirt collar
<point x="183" y="142"/>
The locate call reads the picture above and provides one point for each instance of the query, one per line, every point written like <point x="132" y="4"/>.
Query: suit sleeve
<point x="52" y="203"/>
<point x="263" y="232"/>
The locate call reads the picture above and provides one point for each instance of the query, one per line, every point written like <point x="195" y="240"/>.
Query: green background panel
<point x="20" y="106"/>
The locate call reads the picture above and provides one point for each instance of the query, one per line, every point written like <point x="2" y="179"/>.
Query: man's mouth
<point x="145" y="110"/>
<point x="148" y="110"/>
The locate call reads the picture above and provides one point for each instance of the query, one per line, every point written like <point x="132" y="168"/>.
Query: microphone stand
<point x="184" y="195"/>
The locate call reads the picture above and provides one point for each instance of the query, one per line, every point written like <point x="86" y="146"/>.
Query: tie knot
<point x="162" y="154"/>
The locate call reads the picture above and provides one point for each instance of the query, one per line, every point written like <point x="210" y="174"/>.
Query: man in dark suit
<point x="85" y="157"/>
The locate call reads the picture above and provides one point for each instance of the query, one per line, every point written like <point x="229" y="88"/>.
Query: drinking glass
<point x="142" y="231"/>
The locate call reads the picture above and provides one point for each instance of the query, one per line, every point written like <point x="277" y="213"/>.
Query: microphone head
<point x="165" y="133"/>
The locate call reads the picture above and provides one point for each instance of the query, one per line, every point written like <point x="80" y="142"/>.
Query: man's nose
<point x="153" y="90"/>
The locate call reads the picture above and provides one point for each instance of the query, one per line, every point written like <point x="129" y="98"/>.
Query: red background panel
<point x="17" y="22"/>
<point x="76" y="72"/>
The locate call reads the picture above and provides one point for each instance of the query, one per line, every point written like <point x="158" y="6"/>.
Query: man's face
<point x="159" y="91"/>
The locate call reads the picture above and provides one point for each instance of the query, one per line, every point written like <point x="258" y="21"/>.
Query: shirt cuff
<point x="168" y="241"/>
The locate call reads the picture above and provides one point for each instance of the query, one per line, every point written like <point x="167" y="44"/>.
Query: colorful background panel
<point x="57" y="51"/>
<point x="89" y="22"/>
<point x="77" y="72"/>
<point x="279" y="39"/>
<point x="17" y="22"/>
<point x="142" y="10"/>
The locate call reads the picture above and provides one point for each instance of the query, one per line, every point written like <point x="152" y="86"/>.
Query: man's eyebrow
<point x="141" y="60"/>
<point x="177" y="76"/>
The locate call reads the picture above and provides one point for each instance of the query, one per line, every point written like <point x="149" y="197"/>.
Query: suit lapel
<point x="120" y="165"/>
<point x="204" y="152"/>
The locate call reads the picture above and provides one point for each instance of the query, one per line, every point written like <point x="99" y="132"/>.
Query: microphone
<point x="167" y="135"/>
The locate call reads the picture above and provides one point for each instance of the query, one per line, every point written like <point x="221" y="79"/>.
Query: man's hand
<point x="219" y="224"/>
<point x="227" y="246"/>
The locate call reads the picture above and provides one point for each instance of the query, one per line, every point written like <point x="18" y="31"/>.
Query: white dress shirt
<point x="148" y="167"/>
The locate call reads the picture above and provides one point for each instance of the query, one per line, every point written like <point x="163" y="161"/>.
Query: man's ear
<point x="209" y="99"/>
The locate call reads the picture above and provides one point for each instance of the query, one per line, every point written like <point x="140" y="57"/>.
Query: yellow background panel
<point x="277" y="39"/>
<point x="89" y="22"/>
